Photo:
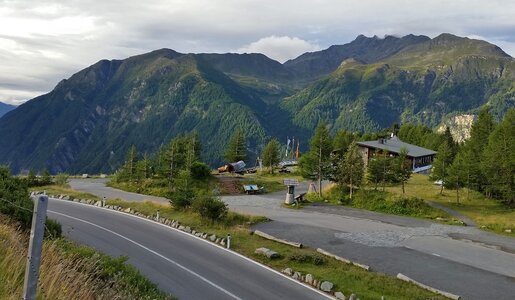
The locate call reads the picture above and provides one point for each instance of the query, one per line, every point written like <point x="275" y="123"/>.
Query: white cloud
<point x="44" y="42"/>
<point x="280" y="48"/>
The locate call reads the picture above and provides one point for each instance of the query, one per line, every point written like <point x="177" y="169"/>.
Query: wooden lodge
<point x="421" y="158"/>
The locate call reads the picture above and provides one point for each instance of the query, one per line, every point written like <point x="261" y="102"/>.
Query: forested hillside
<point x="89" y="121"/>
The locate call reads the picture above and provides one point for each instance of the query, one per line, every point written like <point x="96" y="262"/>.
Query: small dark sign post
<point x="290" y="195"/>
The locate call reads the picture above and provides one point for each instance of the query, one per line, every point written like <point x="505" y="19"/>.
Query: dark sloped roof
<point x="394" y="145"/>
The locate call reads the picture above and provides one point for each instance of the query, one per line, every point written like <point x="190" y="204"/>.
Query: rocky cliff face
<point x="459" y="126"/>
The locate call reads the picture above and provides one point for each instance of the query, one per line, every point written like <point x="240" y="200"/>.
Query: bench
<point x="300" y="197"/>
<point x="251" y="189"/>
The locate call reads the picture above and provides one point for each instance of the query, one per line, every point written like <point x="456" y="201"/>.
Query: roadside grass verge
<point x="489" y="214"/>
<point x="384" y="202"/>
<point x="55" y="189"/>
<point x="68" y="271"/>
<point x="347" y="278"/>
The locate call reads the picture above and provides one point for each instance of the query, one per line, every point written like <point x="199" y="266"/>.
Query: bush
<point x="200" y="171"/>
<point x="317" y="260"/>
<point x="181" y="198"/>
<point x="14" y="198"/>
<point x="61" y="179"/>
<point x="209" y="207"/>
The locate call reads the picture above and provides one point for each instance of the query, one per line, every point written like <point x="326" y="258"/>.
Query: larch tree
<point x="441" y="163"/>
<point x="316" y="163"/>
<point x="271" y="155"/>
<point x="352" y="168"/>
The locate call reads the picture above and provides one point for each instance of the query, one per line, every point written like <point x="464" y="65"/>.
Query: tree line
<point x="485" y="162"/>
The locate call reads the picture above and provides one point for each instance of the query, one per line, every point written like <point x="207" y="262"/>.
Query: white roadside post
<point x="228" y="241"/>
<point x="35" y="247"/>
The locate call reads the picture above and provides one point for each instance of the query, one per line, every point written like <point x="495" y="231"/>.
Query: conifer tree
<point x="498" y="159"/>
<point x="236" y="148"/>
<point x="441" y="163"/>
<point x="403" y="169"/>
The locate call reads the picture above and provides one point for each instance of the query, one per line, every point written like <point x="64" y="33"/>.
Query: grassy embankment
<point x="68" y="271"/>
<point x="487" y="213"/>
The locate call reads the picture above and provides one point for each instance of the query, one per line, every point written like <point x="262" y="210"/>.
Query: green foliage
<point x="314" y="259"/>
<point x="61" y="179"/>
<point x="402" y="170"/>
<point x="209" y="207"/>
<point x="46" y="179"/>
<point x="383" y="202"/>
<point x="498" y="160"/>
<point x="200" y="171"/>
<point x="182" y="195"/>
<point x="442" y="162"/>
<point x="53" y="229"/>
<point x="14" y="198"/>
<point x="236" y="148"/>
<point x="351" y="169"/>
<point x="316" y="163"/>
<point x="271" y="155"/>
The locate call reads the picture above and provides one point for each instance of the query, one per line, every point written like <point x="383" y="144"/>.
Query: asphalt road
<point x="180" y="264"/>
<point x="462" y="260"/>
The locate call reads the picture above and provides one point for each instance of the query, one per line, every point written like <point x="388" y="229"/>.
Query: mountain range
<point x="5" y="108"/>
<point x="88" y="122"/>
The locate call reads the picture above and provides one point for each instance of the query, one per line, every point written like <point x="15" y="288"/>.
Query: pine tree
<point x="236" y="148"/>
<point x="352" y="168"/>
<point x="474" y="147"/>
<point x="271" y="155"/>
<point x="498" y="159"/>
<point x="441" y="163"/>
<point x="316" y="163"/>
<point x="46" y="178"/>
<point x="457" y="174"/>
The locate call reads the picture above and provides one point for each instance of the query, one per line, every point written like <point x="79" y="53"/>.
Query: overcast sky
<point x="44" y="41"/>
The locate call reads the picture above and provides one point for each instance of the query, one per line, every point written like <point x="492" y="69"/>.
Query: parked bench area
<point x="252" y="189"/>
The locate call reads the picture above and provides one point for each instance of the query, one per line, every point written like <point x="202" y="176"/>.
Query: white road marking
<point x="153" y="252"/>
<point x="436" y="254"/>
<point x="202" y="240"/>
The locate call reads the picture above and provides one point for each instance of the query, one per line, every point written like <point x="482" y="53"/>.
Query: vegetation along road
<point x="187" y="267"/>
<point x="462" y="260"/>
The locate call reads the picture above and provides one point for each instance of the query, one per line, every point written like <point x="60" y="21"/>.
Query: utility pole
<point x="35" y="246"/>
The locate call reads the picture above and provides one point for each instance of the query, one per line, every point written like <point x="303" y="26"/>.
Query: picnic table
<point x="252" y="189"/>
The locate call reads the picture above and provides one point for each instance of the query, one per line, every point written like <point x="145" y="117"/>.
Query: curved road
<point x="180" y="264"/>
<point x="462" y="260"/>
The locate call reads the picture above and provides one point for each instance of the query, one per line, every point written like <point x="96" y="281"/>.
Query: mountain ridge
<point x="88" y="121"/>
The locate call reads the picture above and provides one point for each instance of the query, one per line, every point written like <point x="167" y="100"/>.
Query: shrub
<point x="317" y="260"/>
<point x="61" y="179"/>
<point x="181" y="198"/>
<point x="200" y="171"/>
<point x="14" y="198"/>
<point x="209" y="207"/>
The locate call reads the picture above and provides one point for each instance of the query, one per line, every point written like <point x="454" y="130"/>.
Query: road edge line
<point x="205" y="241"/>
<point x="431" y="289"/>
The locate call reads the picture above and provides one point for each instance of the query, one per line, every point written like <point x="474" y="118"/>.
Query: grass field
<point x="63" y="190"/>
<point x="486" y="212"/>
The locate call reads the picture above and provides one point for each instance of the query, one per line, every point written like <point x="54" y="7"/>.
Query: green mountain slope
<point x="89" y="121"/>
<point x="424" y="82"/>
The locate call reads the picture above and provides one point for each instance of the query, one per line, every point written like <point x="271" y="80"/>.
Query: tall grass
<point x="68" y="271"/>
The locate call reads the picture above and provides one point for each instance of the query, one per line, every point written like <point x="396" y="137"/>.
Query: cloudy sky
<point x="44" y="41"/>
